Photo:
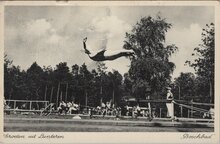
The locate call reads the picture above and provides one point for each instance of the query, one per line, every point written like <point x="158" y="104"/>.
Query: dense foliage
<point x="79" y="84"/>
<point x="150" y="70"/>
<point x="204" y="63"/>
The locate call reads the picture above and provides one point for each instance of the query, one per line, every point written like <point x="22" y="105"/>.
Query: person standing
<point x="169" y="94"/>
<point x="169" y="104"/>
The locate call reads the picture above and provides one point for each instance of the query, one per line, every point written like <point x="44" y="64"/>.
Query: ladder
<point x="47" y="110"/>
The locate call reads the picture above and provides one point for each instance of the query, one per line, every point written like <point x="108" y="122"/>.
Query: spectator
<point x="212" y="113"/>
<point x="102" y="105"/>
<point x="99" y="111"/>
<point x="103" y="109"/>
<point x="76" y="108"/>
<point x="60" y="108"/>
<point x="134" y="112"/>
<point x="69" y="105"/>
<point x="142" y="113"/>
<point x="127" y="110"/>
<point x="138" y="110"/>
<point x="108" y="105"/>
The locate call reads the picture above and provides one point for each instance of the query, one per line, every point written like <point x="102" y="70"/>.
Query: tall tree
<point x="34" y="81"/>
<point x="204" y="62"/>
<point x="127" y="85"/>
<point x="85" y="84"/>
<point x="8" y="90"/>
<point x="185" y="87"/>
<point x="115" y="84"/>
<point x="74" y="83"/>
<point x="94" y="99"/>
<point x="15" y="81"/>
<point x="62" y="77"/>
<point x="62" y="72"/>
<point x="150" y="67"/>
<point x="101" y="68"/>
<point x="75" y="70"/>
<point x="47" y="83"/>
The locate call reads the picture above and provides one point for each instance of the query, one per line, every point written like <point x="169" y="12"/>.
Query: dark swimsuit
<point x="99" y="56"/>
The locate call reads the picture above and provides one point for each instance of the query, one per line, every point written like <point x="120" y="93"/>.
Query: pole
<point x="179" y="92"/>
<point x="66" y="91"/>
<point x="188" y="113"/>
<point x="86" y="98"/>
<point x="101" y="95"/>
<point x="181" y="111"/>
<point x="149" y="108"/>
<point x="113" y="96"/>
<point x="191" y="109"/>
<point x="37" y="106"/>
<point x="160" y="112"/>
<point x="45" y="95"/>
<point x="45" y="104"/>
<point x="14" y="104"/>
<point x="51" y="95"/>
<point x="30" y="104"/>
<point x="210" y="91"/>
<point x="58" y="89"/>
<point x="61" y="96"/>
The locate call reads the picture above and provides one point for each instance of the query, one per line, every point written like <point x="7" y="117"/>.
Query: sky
<point x="53" y="34"/>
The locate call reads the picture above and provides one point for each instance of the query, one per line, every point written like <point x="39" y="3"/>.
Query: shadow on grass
<point x="193" y="125"/>
<point x="157" y="124"/>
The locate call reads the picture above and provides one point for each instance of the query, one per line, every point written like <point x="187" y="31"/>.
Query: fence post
<point x="14" y="104"/>
<point x="149" y="107"/>
<point x="181" y="111"/>
<point x="188" y="113"/>
<point x="30" y="104"/>
<point x="45" y="105"/>
<point x="160" y="112"/>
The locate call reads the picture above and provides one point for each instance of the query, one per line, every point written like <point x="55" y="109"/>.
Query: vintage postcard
<point x="109" y="72"/>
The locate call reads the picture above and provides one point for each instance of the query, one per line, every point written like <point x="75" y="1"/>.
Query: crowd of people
<point x="73" y="108"/>
<point x="68" y="108"/>
<point x="106" y="109"/>
<point x="137" y="111"/>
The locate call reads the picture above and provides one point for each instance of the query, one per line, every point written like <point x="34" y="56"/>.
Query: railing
<point x="25" y="105"/>
<point x="186" y="109"/>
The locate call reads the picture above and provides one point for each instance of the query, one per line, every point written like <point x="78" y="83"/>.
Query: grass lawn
<point x="19" y="123"/>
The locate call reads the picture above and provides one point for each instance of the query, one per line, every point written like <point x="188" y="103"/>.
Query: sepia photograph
<point x="109" y="68"/>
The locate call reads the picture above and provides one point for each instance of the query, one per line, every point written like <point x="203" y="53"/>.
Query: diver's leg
<point x="117" y="54"/>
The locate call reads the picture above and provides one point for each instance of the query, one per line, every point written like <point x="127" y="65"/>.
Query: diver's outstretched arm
<point x="84" y="46"/>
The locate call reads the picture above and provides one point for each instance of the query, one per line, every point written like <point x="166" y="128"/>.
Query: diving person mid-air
<point x="102" y="56"/>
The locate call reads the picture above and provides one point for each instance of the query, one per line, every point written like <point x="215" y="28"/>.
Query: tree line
<point x="62" y="83"/>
